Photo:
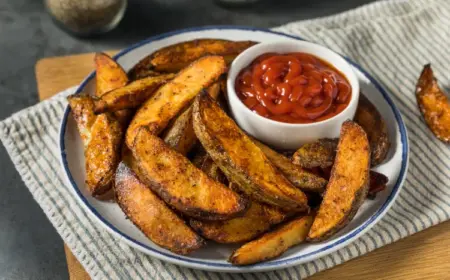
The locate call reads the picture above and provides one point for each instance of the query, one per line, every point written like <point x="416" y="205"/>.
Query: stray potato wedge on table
<point x="300" y="178"/>
<point x="320" y="153"/>
<point x="172" y="97"/>
<point x="179" y="135"/>
<point x="173" y="58"/>
<point x="241" y="160"/>
<point x="368" y="117"/>
<point x="258" y="219"/>
<point x="348" y="185"/>
<point x="182" y="185"/>
<point x="274" y="243"/>
<point x="102" y="136"/>
<point x="131" y="95"/>
<point x="151" y="215"/>
<point x="433" y="104"/>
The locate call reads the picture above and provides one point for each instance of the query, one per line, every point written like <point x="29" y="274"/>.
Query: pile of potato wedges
<point x="184" y="173"/>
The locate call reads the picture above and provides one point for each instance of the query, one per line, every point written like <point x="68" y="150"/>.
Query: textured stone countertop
<point x="29" y="246"/>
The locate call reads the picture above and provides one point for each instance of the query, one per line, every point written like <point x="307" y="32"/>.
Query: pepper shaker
<point x="86" y="17"/>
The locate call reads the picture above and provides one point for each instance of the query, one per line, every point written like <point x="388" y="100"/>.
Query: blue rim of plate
<point x="341" y="241"/>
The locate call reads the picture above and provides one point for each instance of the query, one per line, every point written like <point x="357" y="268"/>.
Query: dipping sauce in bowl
<point x="293" y="88"/>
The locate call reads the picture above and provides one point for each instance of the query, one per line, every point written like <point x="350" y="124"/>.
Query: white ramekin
<point x="282" y="135"/>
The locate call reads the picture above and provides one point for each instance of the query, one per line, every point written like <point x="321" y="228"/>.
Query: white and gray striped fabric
<point x="392" y="40"/>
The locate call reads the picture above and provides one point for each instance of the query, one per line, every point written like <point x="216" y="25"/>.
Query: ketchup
<point x="293" y="88"/>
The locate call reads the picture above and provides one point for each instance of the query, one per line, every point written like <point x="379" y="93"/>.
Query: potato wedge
<point x="300" y="178"/>
<point x="131" y="95"/>
<point x="320" y="153"/>
<point x="348" y="185"/>
<point x="241" y="160"/>
<point x="205" y="163"/>
<point x="274" y="243"/>
<point x="172" y="59"/>
<point x="109" y="74"/>
<point x="257" y="220"/>
<point x="102" y="136"/>
<point x="180" y="184"/>
<point x="433" y="104"/>
<point x="368" y="117"/>
<point x="172" y="97"/>
<point x="179" y="135"/>
<point x="82" y="108"/>
<point x="151" y="215"/>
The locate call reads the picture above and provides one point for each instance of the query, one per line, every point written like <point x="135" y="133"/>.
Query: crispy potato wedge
<point x="151" y="215"/>
<point x="173" y="58"/>
<point x="433" y="104"/>
<point x="300" y="178"/>
<point x="274" y="243"/>
<point x="131" y="95"/>
<point x="180" y="134"/>
<point x="180" y="184"/>
<point x="241" y="160"/>
<point x="109" y="74"/>
<point x="257" y="220"/>
<point x="172" y="97"/>
<point x="368" y="117"/>
<point x="82" y="108"/>
<point x="320" y="153"/>
<point x="348" y="185"/>
<point x="102" y="136"/>
<point x="205" y="163"/>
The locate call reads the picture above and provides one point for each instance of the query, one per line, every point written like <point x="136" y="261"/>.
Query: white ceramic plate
<point x="213" y="256"/>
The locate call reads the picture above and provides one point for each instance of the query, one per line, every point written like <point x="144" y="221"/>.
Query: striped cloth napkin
<point x="391" y="39"/>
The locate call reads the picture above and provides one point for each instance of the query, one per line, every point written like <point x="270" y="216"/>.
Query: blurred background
<point x="30" y="248"/>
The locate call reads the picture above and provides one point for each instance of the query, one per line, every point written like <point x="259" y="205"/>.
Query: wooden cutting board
<point x="424" y="255"/>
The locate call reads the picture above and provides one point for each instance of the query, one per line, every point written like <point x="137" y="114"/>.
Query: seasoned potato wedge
<point x="180" y="134"/>
<point x="368" y="117"/>
<point x="180" y="184"/>
<point x="102" y="136"/>
<point x="172" y="97"/>
<point x="274" y="243"/>
<point x="131" y="95"/>
<point x="109" y="74"/>
<point x="241" y="160"/>
<point x="433" y="104"/>
<point x="348" y="185"/>
<point x="151" y="215"/>
<point x="300" y="178"/>
<point x="320" y="153"/>
<point x="205" y="163"/>
<point x="258" y="219"/>
<point x="173" y="58"/>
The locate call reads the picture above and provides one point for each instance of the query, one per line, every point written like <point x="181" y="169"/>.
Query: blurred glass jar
<point x="87" y="17"/>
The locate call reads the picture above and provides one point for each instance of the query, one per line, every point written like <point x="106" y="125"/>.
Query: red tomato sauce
<point x="293" y="88"/>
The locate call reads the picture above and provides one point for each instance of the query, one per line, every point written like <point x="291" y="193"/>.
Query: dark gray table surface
<point x="30" y="248"/>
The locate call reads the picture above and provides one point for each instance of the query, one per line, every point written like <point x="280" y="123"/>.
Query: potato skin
<point x="173" y="58"/>
<point x="151" y="215"/>
<point x="348" y="185"/>
<point x="433" y="104"/>
<point x="300" y="178"/>
<point x="171" y="98"/>
<point x="101" y="136"/>
<point x="180" y="184"/>
<point x="368" y="117"/>
<point x="258" y="219"/>
<point x="241" y="160"/>
<point x="274" y="243"/>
